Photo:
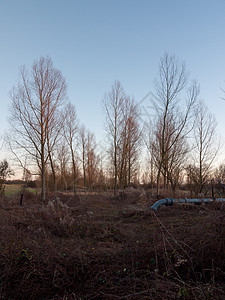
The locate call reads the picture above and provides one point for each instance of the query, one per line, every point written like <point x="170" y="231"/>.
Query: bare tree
<point x="83" y="144"/>
<point x="220" y="173"/>
<point x="53" y="137"/>
<point x="129" y="148"/>
<point x="149" y="140"/>
<point x="71" y="136"/>
<point x="92" y="160"/>
<point x="102" y="177"/>
<point x="124" y="134"/>
<point x="113" y="105"/>
<point x="173" y="105"/>
<point x="63" y="158"/>
<point x="175" y="156"/>
<point x="35" y="102"/>
<point x="5" y="171"/>
<point x="206" y="146"/>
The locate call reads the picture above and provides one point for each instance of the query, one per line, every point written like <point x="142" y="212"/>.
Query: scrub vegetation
<point x="98" y="246"/>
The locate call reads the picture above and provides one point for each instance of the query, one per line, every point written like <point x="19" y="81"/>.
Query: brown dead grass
<point x="96" y="246"/>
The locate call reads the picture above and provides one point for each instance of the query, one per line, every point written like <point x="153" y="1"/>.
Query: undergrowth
<point x="97" y="247"/>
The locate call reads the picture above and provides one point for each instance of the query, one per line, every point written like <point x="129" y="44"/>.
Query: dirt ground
<point x="98" y="246"/>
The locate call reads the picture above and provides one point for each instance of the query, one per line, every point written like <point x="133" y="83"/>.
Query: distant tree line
<point x="175" y="144"/>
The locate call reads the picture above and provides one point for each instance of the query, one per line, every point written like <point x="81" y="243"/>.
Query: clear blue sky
<point x="94" y="42"/>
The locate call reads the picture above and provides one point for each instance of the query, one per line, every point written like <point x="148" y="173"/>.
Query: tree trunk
<point x="43" y="181"/>
<point x="74" y="172"/>
<point x="54" y="176"/>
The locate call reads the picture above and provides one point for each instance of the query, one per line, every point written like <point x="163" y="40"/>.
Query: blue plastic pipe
<point x="166" y="201"/>
<point x="171" y="201"/>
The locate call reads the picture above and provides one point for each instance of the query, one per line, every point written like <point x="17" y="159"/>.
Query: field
<point x="97" y="246"/>
<point x="15" y="189"/>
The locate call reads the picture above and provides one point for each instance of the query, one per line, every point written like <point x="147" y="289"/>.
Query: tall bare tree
<point x="35" y="101"/>
<point x="92" y="160"/>
<point x="129" y="148"/>
<point x="175" y="157"/>
<point x="174" y="104"/>
<point x="83" y="135"/>
<point x="149" y="140"/>
<point x="71" y="135"/>
<point x="124" y="134"/>
<point x="54" y="134"/>
<point x="113" y="103"/>
<point x="63" y="158"/>
<point x="206" y="146"/>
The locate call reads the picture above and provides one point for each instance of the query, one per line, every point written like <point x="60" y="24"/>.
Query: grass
<point x="97" y="247"/>
<point x="15" y="189"/>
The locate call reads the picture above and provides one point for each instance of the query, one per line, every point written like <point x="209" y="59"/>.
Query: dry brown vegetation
<point x="97" y="246"/>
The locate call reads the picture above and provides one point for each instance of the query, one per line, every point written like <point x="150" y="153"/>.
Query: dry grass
<point x="98" y="247"/>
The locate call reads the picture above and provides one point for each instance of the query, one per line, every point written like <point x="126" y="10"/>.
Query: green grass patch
<point x="14" y="189"/>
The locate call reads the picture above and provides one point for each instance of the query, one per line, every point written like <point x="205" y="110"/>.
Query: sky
<point x="94" y="42"/>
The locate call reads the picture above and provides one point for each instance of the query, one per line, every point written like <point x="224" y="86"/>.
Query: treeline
<point x="175" y="143"/>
